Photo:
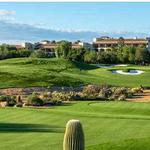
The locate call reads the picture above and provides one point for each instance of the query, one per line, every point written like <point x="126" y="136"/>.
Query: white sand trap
<point x="121" y="65"/>
<point x="131" y="72"/>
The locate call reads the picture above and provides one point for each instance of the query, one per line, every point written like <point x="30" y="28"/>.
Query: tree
<point x="132" y="54"/>
<point x="4" y="51"/>
<point x="120" y="56"/>
<point x="40" y="54"/>
<point x="90" y="57"/>
<point x="120" y="42"/>
<point x="77" y="54"/>
<point x="141" y="55"/>
<point x="62" y="49"/>
<point x="125" y="54"/>
<point x="107" y="57"/>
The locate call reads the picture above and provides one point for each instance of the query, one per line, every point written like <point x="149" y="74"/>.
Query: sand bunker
<point x="131" y="72"/>
<point x="119" y="65"/>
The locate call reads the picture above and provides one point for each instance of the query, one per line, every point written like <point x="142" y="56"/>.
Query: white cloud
<point x="7" y="15"/>
<point x="4" y="12"/>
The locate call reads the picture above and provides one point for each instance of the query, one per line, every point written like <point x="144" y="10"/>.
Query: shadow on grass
<point x="84" y="66"/>
<point x="68" y="104"/>
<point x="20" y="127"/>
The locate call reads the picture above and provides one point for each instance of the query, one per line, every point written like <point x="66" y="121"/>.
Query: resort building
<point x="79" y="44"/>
<point x="107" y="43"/>
<point x="28" y="45"/>
<point x="49" y="46"/>
<point x="16" y="47"/>
<point x="148" y="39"/>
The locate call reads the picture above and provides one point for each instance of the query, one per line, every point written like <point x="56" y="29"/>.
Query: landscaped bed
<point x="48" y="97"/>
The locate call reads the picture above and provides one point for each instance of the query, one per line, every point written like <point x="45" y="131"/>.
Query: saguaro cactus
<point x="74" y="136"/>
<point x="19" y="99"/>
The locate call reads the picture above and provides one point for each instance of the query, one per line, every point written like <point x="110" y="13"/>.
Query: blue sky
<point x="103" y="18"/>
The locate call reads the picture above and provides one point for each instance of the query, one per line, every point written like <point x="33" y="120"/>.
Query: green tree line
<point x="120" y="54"/>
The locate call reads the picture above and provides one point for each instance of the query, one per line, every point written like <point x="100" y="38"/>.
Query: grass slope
<point x="107" y="126"/>
<point x="24" y="72"/>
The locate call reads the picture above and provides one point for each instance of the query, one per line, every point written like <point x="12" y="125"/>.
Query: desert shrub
<point x="105" y="92"/>
<point x="121" y="98"/>
<point x="112" y="98"/>
<point x="4" y="98"/>
<point x="120" y="91"/>
<point x="79" y="96"/>
<point x="129" y="93"/>
<point x="46" y="97"/>
<point x="64" y="96"/>
<point x="51" y="98"/>
<point x="10" y="100"/>
<point x="56" y="102"/>
<point x="56" y="98"/>
<point x="137" y="90"/>
<point x="91" y="90"/>
<point x="34" y="100"/>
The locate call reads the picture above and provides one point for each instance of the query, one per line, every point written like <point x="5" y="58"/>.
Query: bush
<point x="10" y="52"/>
<point x="122" y="98"/>
<point x="12" y="102"/>
<point x="137" y="90"/>
<point x="56" y="102"/>
<point x="57" y="96"/>
<point x="8" y="99"/>
<point x="34" y="100"/>
<point x="51" y="98"/>
<point x="91" y="90"/>
<point x="105" y="92"/>
<point x="4" y="98"/>
<point x="120" y="91"/>
<point x="41" y="54"/>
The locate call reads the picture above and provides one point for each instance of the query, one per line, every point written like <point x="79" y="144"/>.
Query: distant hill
<point x="23" y="32"/>
<point x="16" y="33"/>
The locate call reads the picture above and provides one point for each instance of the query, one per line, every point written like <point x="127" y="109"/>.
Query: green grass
<point x="25" y="72"/>
<point x="107" y="126"/>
